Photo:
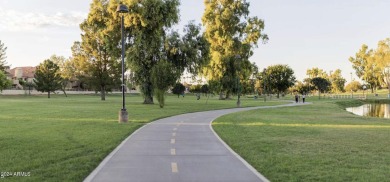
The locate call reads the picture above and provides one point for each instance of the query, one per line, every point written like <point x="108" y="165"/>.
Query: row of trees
<point x="319" y="80"/>
<point x="156" y="54"/>
<point x="278" y="79"/>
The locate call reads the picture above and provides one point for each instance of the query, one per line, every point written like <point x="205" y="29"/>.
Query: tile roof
<point x="28" y="71"/>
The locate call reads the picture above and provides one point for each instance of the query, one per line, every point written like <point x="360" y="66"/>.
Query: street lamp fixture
<point x="238" y="59"/>
<point x="123" y="114"/>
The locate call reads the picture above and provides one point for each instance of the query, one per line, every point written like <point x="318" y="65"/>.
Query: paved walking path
<point x="179" y="148"/>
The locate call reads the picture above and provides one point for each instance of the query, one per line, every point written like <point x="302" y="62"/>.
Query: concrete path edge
<point x="92" y="175"/>
<point x="250" y="167"/>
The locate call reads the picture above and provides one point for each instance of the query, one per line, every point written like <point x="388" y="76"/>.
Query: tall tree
<point x="150" y="42"/>
<point x="337" y="81"/>
<point x="79" y="64"/>
<point x="47" y="77"/>
<point x="382" y="55"/>
<point x="279" y="78"/>
<point x="3" y="57"/>
<point x="321" y="84"/>
<point x="149" y="21"/>
<point x="100" y="40"/>
<point x="231" y="32"/>
<point x="366" y="67"/>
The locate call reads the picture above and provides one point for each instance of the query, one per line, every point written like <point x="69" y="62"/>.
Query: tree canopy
<point x="321" y="84"/>
<point x="382" y="56"/>
<point x="279" y="78"/>
<point x="337" y="81"/>
<point x="366" y="67"/>
<point x="178" y="89"/>
<point x="47" y="77"/>
<point x="66" y="70"/>
<point x="99" y="47"/>
<point x="147" y="27"/>
<point x="301" y="87"/>
<point x="231" y="32"/>
<point x="354" y="86"/>
<point x="152" y="41"/>
<point x="316" y="72"/>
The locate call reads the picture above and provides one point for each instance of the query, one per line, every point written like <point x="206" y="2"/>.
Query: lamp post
<point x="351" y="76"/>
<point x="123" y="115"/>
<point x="265" y="96"/>
<point x="238" y="59"/>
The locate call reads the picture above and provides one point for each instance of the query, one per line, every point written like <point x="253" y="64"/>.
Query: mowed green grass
<point x="318" y="142"/>
<point x="64" y="139"/>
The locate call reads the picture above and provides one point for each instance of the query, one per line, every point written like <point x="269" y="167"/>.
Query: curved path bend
<point x="179" y="148"/>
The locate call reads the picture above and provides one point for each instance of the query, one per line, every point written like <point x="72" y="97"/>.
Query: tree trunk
<point x="277" y="95"/>
<point x="221" y="96"/>
<point x="319" y="95"/>
<point x="63" y="87"/>
<point x="66" y="95"/>
<point x="228" y="95"/>
<point x="148" y="100"/>
<point x="388" y="87"/>
<point x="147" y="91"/>
<point x="102" y="93"/>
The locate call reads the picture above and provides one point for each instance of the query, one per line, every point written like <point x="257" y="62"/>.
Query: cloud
<point x="13" y="20"/>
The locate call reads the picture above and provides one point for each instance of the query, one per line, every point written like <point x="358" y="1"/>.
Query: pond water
<point x="371" y="110"/>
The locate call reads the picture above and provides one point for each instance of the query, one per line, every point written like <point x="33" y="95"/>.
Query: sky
<point x="302" y="33"/>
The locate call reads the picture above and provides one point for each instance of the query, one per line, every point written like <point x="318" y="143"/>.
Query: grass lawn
<point x="64" y="139"/>
<point x="318" y="142"/>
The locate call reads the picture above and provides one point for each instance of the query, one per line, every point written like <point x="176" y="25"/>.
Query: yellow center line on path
<point x="174" y="167"/>
<point x="173" y="141"/>
<point x="173" y="151"/>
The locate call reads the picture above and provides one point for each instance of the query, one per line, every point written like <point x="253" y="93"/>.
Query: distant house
<point x="21" y="73"/>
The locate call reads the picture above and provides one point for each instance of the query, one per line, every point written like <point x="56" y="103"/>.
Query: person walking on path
<point x="303" y="98"/>
<point x="296" y="98"/>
